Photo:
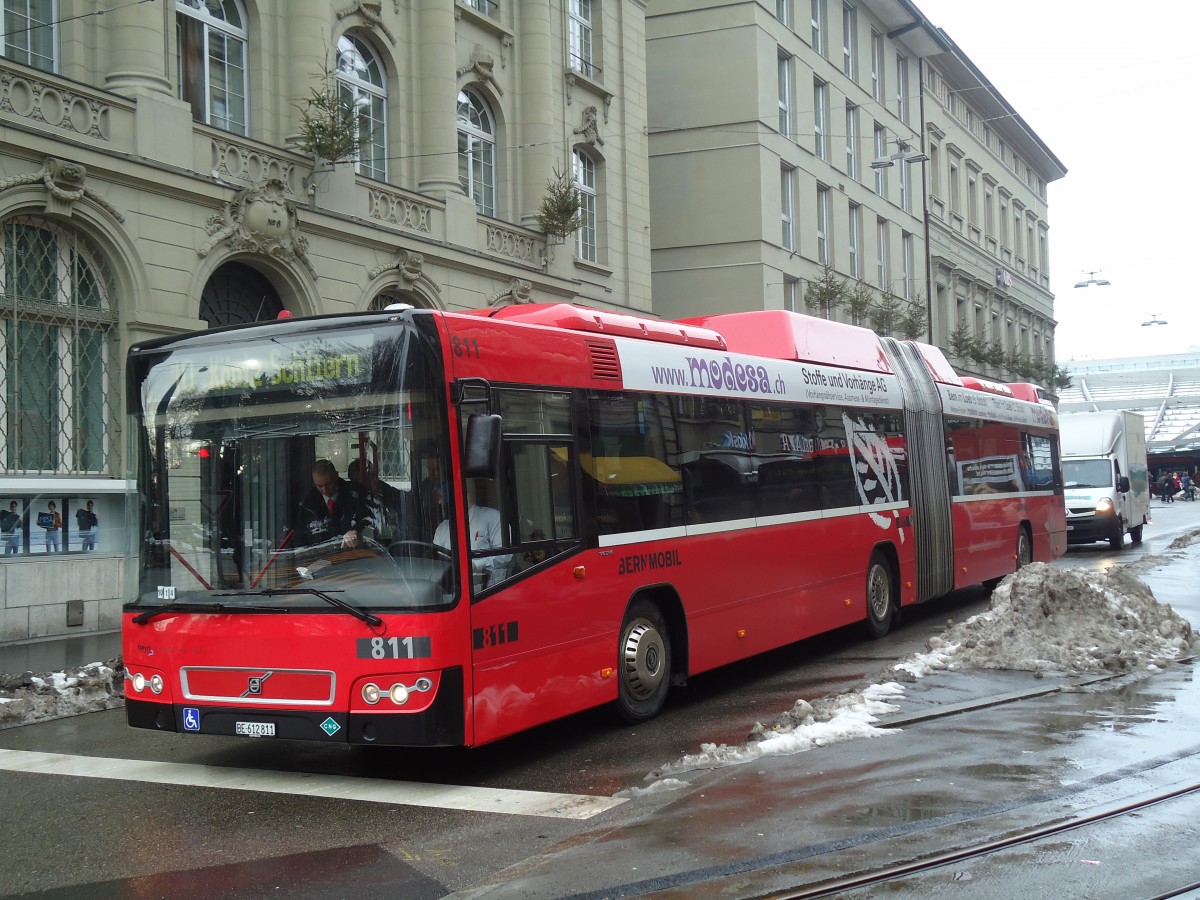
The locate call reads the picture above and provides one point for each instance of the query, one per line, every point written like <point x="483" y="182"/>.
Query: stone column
<point x="541" y="152"/>
<point x="139" y="48"/>
<point x="311" y="53"/>
<point x="438" y="176"/>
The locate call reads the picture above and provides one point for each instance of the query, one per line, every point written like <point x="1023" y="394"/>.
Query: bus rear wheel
<point x="881" y="596"/>
<point x="644" y="665"/>
<point x="1024" y="549"/>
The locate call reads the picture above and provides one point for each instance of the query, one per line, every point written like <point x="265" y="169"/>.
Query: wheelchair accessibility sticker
<point x="191" y="718"/>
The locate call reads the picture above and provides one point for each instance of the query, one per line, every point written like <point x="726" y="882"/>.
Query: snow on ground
<point x="1041" y="619"/>
<point x="27" y="697"/>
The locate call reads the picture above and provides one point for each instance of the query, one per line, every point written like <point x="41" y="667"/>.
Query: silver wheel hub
<point x="643" y="658"/>
<point x="879" y="593"/>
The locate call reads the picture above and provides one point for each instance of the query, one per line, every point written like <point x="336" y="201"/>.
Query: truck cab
<point x="1106" y="483"/>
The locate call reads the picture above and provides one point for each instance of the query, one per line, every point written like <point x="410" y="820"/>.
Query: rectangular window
<point x="820" y="107"/>
<point x="585" y="187"/>
<point x="854" y="231"/>
<point x="783" y="11"/>
<point x="1003" y="222"/>
<point x="876" y="66"/>
<point x="785" y="95"/>
<point x="852" y="141"/>
<point x="906" y="252"/>
<point x="955" y="189"/>
<point x="972" y="200"/>
<point x="905" y="186"/>
<point x="989" y="213"/>
<point x="632" y="481"/>
<point x="823" y="254"/>
<point x="881" y="231"/>
<point x="818" y="26"/>
<point x="580" y="17"/>
<point x="849" y="40"/>
<point x="787" y="191"/>
<point x="29" y="32"/>
<point x="902" y="88"/>
<point x="791" y="294"/>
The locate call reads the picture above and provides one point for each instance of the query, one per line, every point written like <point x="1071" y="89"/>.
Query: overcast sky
<point x="1111" y="89"/>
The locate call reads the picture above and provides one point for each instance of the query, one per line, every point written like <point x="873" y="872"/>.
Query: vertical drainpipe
<point x="925" y="202"/>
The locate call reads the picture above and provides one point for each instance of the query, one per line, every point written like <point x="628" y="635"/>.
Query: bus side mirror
<point x="1123" y="484"/>
<point x="481" y="455"/>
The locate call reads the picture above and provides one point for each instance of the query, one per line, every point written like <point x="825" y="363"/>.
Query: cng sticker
<point x="330" y="726"/>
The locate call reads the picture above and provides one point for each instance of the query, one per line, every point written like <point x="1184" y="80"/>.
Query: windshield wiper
<point x="369" y="617"/>
<point x="143" y="618"/>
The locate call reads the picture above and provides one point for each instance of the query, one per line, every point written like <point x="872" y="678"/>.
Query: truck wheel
<point x="1135" y="534"/>
<point x="1117" y="540"/>
<point x="644" y="663"/>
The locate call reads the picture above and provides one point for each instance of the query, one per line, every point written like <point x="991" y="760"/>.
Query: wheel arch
<point x="666" y="597"/>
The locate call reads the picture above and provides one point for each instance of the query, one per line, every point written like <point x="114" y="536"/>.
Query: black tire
<point x="881" y="595"/>
<point x="1135" y="534"/>
<point x="1117" y="540"/>
<point x="643" y="663"/>
<point x="1024" y="549"/>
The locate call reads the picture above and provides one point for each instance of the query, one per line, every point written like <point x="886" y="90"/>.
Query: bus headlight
<point x="139" y="682"/>
<point x="370" y="693"/>
<point x="156" y="683"/>
<point x="1104" y="505"/>
<point x="399" y="694"/>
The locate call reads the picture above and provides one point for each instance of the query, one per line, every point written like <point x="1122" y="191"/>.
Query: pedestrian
<point x="86" y="522"/>
<point x="52" y="522"/>
<point x="1186" y="481"/>
<point x="10" y="526"/>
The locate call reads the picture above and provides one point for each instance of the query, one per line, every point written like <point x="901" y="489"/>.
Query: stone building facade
<point x="152" y="181"/>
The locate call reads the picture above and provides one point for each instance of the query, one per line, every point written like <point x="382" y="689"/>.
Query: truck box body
<point x="1106" y="482"/>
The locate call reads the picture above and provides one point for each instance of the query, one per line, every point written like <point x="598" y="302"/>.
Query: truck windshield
<point x="1087" y="473"/>
<point x="284" y="470"/>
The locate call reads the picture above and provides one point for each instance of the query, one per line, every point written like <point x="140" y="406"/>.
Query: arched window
<point x="211" y="58"/>
<point x="362" y="87"/>
<point x="56" y="358"/>
<point x="477" y="151"/>
<point x="584" y="170"/>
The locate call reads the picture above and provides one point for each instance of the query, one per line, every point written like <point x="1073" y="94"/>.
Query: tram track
<point x="982" y="849"/>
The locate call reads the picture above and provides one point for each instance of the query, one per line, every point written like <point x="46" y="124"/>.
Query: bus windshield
<point x="303" y="470"/>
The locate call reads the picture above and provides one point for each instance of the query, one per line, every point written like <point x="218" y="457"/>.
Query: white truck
<point x="1107" y="485"/>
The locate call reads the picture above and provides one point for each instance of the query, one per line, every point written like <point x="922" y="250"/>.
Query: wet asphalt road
<point x="75" y="837"/>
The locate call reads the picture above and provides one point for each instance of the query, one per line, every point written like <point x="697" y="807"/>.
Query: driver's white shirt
<point x="484" y="526"/>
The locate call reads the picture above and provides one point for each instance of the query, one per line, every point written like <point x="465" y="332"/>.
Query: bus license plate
<point x="255" y="729"/>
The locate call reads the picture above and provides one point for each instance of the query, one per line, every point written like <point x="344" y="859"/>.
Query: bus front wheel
<point x="644" y="665"/>
<point x="881" y="599"/>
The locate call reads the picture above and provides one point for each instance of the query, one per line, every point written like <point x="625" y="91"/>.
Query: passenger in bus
<point x="386" y="506"/>
<point x="332" y="510"/>
<point x="486" y="532"/>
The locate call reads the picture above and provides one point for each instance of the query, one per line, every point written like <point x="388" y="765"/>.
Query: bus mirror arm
<point x="481" y="455"/>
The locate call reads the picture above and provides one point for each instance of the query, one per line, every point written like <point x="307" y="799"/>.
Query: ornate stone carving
<point x="518" y="291"/>
<point x="64" y="183"/>
<point x="482" y="65"/>
<point x="260" y="220"/>
<point x="409" y="264"/>
<point x="372" y="14"/>
<point x="590" y="130"/>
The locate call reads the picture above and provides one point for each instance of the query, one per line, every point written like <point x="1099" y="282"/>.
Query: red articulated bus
<point x="428" y="529"/>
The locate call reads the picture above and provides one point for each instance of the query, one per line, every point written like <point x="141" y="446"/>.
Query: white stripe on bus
<point x="642" y="537"/>
<point x="303" y="784"/>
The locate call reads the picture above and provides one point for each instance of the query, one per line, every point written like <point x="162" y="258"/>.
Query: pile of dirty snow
<point x="1044" y="619"/>
<point x="1041" y="619"/>
<point x="27" y="697"/>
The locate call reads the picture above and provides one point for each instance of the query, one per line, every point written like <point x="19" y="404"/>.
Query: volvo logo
<point x="255" y="684"/>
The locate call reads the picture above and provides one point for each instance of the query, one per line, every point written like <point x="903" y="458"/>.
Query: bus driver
<point x="332" y="509"/>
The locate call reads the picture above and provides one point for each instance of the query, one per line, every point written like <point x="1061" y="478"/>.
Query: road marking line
<point x="338" y="787"/>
